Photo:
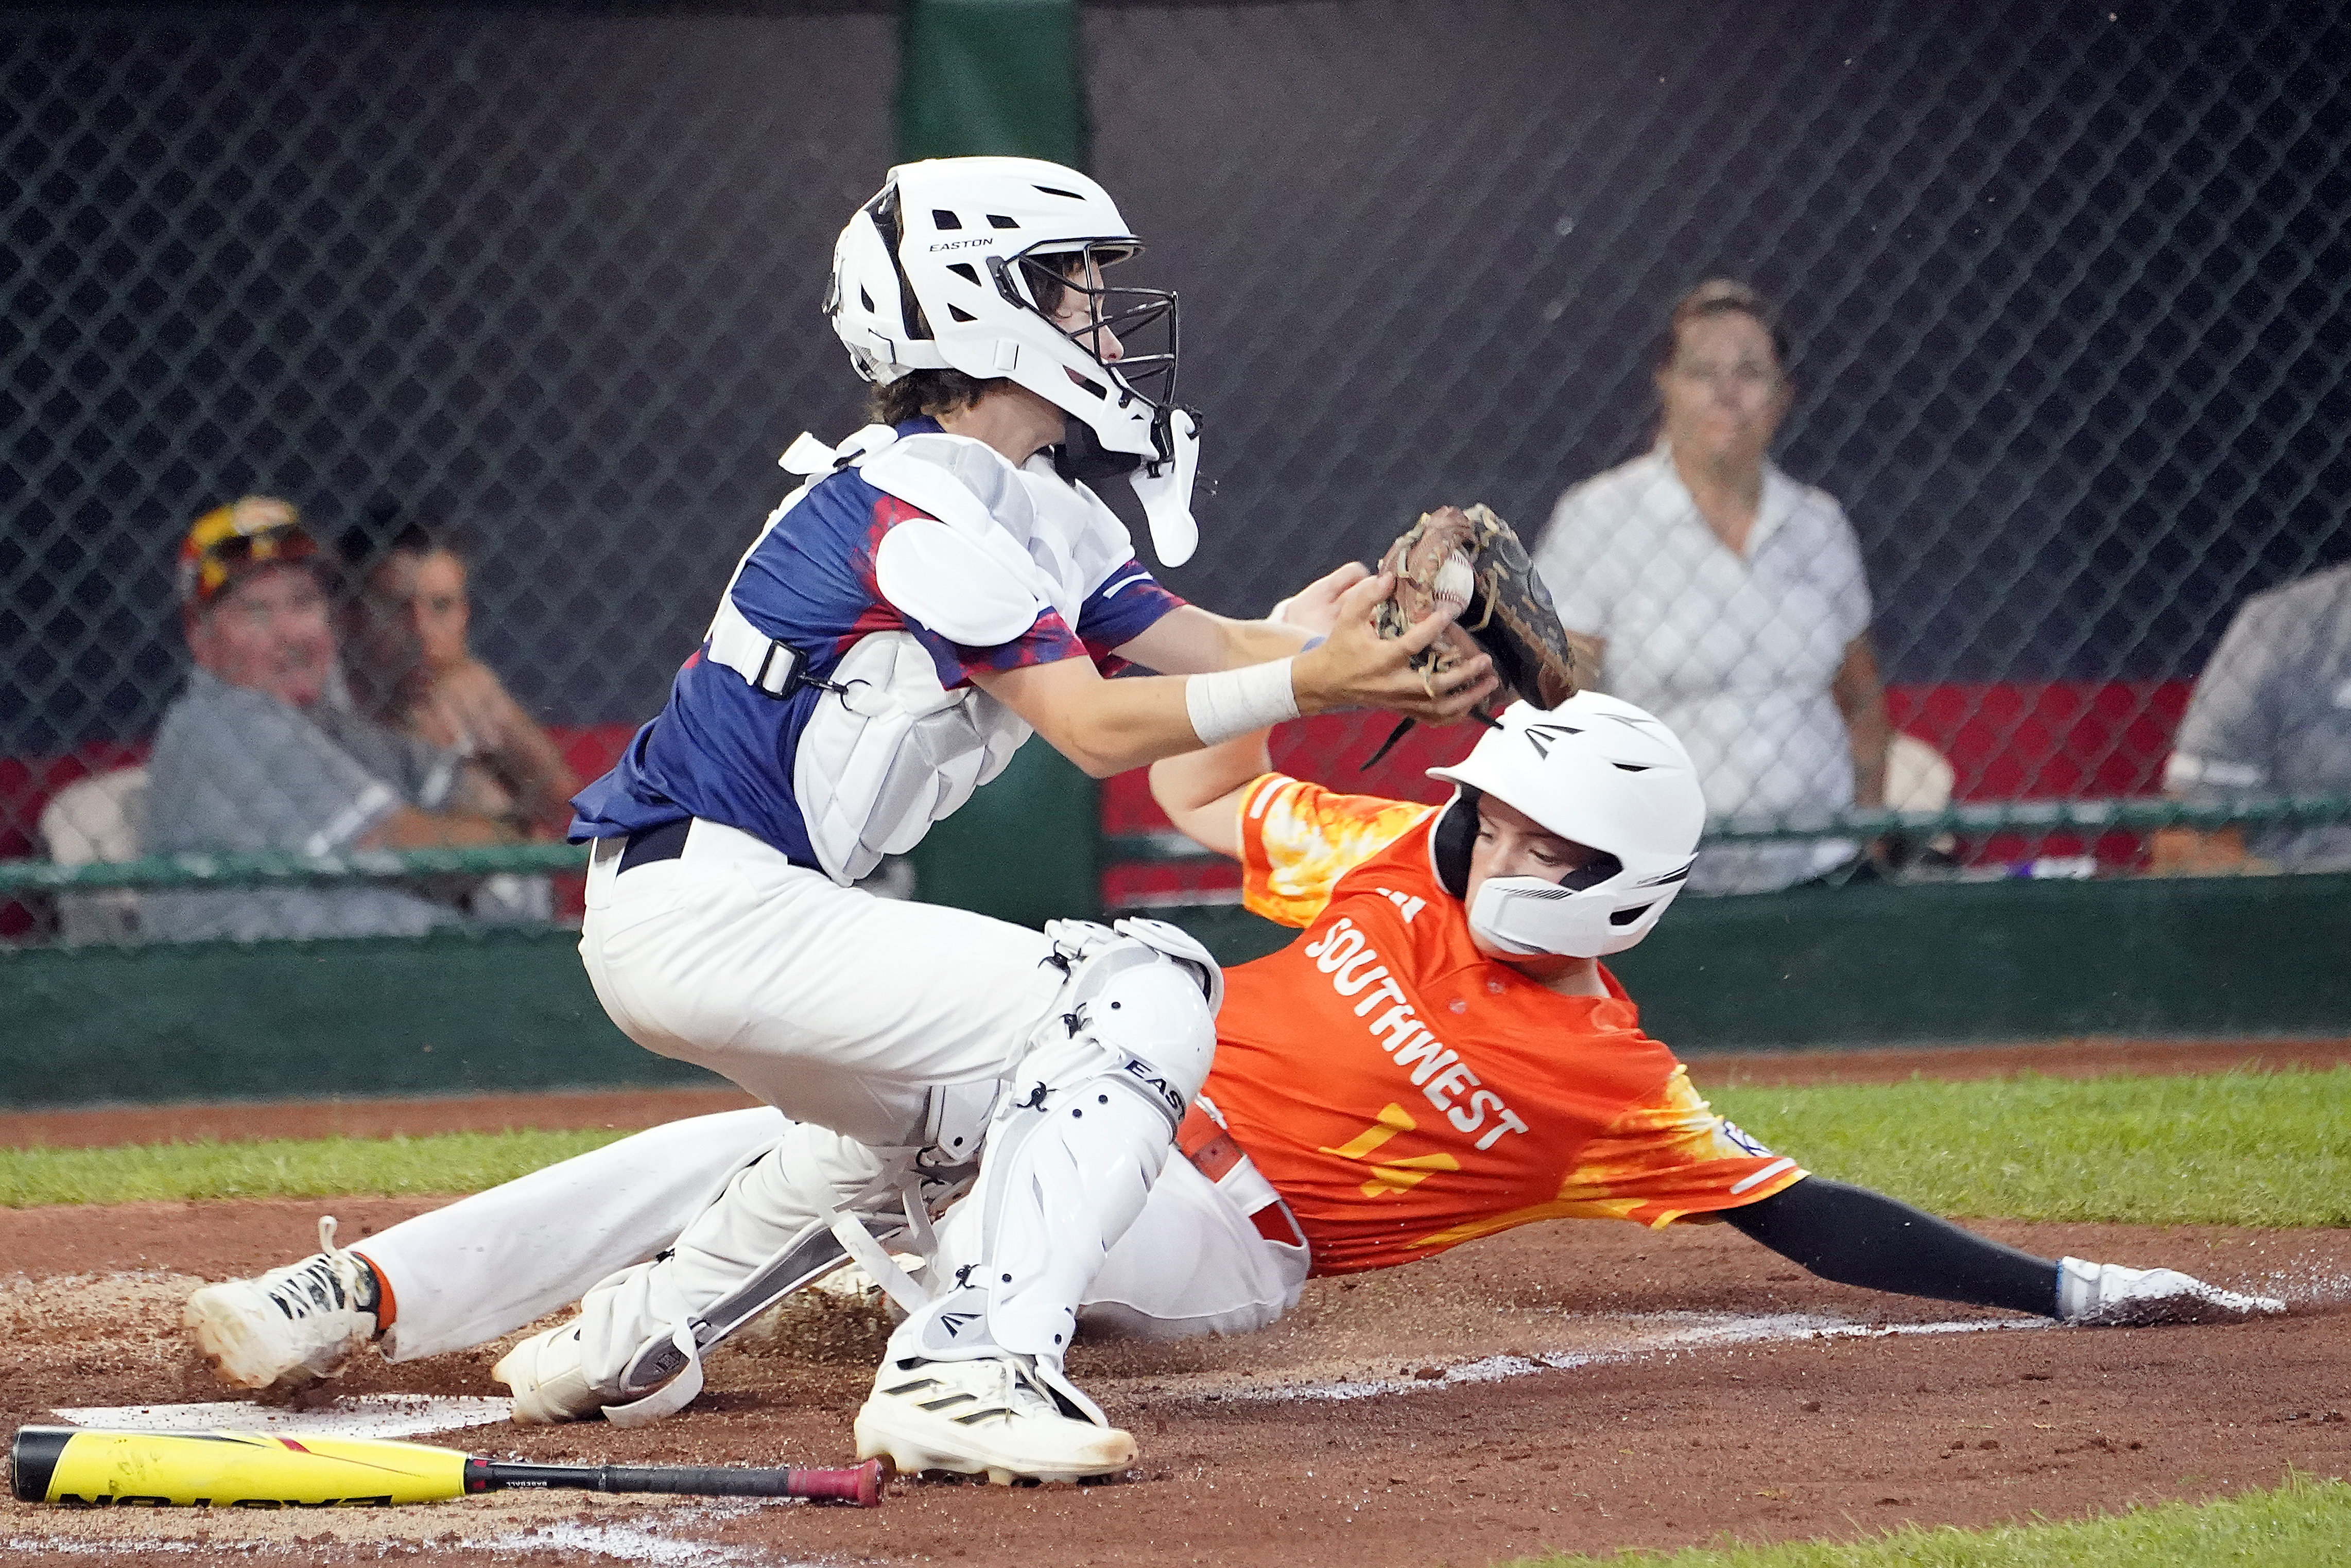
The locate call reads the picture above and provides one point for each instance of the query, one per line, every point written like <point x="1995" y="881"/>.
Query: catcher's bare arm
<point x="1201" y="791"/>
<point x="1189" y="640"/>
<point x="1108" y="726"/>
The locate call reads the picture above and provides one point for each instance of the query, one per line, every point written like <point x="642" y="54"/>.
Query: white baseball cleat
<point x="2107" y="1295"/>
<point x="285" y="1330"/>
<point x="989" y="1416"/>
<point x="547" y="1380"/>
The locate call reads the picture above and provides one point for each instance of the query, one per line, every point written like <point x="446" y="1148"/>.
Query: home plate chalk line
<point x="352" y="1416"/>
<point x="1652" y="1333"/>
<point x="405" y="1414"/>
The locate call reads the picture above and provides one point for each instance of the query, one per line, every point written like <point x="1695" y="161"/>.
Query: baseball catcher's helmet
<point x="1596" y="770"/>
<point x="944" y="270"/>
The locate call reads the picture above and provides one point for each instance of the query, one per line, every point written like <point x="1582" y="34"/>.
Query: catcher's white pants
<point x="832" y="1004"/>
<point x="1192" y="1263"/>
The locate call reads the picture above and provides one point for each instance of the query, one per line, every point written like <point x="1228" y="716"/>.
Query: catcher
<point x="1439" y="1056"/>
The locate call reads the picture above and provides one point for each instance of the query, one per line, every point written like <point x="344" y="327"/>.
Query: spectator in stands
<point x="411" y="619"/>
<point x="256" y="755"/>
<point x="414" y="671"/>
<point x="1728" y="599"/>
<point x="2272" y="715"/>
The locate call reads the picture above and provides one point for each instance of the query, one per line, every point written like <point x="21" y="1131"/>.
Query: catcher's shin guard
<point x="1076" y="1145"/>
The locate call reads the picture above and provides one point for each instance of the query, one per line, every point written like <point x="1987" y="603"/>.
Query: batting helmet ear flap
<point x="1450" y="841"/>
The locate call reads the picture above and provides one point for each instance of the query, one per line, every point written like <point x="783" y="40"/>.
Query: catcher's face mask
<point x="1602" y="774"/>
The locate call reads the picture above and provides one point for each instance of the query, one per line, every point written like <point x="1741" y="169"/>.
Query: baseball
<point x="1457" y="580"/>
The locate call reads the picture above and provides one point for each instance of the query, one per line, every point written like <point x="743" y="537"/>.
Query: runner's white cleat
<point x="549" y="1384"/>
<point x="989" y="1416"/>
<point x="283" y="1331"/>
<point x="2107" y="1295"/>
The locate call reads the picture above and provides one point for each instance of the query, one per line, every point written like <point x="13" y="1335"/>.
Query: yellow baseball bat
<point x="248" y="1469"/>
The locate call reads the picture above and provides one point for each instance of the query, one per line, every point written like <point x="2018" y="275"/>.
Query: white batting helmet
<point x="944" y="270"/>
<point x="1602" y="773"/>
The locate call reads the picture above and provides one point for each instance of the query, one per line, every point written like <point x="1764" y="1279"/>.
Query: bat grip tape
<point x="857" y="1485"/>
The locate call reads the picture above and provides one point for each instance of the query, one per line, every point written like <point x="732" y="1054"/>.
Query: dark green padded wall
<point x="1002" y="76"/>
<point x="1856" y="966"/>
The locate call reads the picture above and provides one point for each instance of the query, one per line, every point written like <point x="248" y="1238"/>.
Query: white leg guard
<point x="1076" y="1145"/>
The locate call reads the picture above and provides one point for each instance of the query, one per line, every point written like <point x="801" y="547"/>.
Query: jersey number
<point x="1392" y="1176"/>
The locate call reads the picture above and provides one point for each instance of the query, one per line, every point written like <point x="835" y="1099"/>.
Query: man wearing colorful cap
<point x="261" y="752"/>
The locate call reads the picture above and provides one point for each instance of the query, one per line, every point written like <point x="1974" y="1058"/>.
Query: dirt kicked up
<point x="1576" y="1386"/>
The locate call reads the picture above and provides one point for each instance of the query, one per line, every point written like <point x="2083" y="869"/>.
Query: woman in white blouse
<point x="1728" y="599"/>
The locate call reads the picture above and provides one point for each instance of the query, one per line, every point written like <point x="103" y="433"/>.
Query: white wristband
<point x="1233" y="702"/>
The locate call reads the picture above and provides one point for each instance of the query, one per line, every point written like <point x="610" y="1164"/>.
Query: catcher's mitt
<point x="1472" y="563"/>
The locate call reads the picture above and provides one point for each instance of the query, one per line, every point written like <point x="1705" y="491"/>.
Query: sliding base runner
<point x="246" y="1470"/>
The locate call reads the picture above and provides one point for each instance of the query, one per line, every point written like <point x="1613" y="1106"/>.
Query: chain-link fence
<point x="2063" y="289"/>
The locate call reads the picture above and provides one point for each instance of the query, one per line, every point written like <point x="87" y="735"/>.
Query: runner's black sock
<point x="1856" y="1237"/>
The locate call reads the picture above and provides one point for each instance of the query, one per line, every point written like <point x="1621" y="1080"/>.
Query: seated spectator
<point x="413" y="672"/>
<point x="1728" y="599"/>
<point x="417" y="674"/>
<point x="2272" y="715"/>
<point x="252" y="755"/>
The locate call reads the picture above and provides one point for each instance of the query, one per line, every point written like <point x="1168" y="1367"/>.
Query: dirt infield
<point x="1578" y="1386"/>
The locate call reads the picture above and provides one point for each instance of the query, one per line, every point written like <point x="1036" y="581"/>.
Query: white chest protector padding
<point x="974" y="575"/>
<point x="963" y="593"/>
<point x="881" y="762"/>
<point x="894" y="752"/>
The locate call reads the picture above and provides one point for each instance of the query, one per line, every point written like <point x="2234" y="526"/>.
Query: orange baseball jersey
<point x="1405" y="1093"/>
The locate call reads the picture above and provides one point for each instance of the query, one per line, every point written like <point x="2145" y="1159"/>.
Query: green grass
<point x="329" y="1167"/>
<point x="2302" y="1524"/>
<point x="2232" y="1148"/>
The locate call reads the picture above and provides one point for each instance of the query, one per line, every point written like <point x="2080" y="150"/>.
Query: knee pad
<point x="1074" y="940"/>
<point x="662" y="1354"/>
<point x="955" y="1126"/>
<point x="1143" y="995"/>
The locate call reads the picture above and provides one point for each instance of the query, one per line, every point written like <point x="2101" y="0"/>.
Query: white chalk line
<point x="633" y="1543"/>
<point x="626" y="1543"/>
<point x="1702" y="1331"/>
<point x="349" y="1416"/>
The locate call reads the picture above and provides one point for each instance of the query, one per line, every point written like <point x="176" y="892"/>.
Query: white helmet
<point x="1600" y="772"/>
<point x="942" y="270"/>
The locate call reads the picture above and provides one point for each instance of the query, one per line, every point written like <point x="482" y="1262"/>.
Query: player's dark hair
<point x="919" y="393"/>
<point x="1718" y="297"/>
<point x="1048" y="277"/>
